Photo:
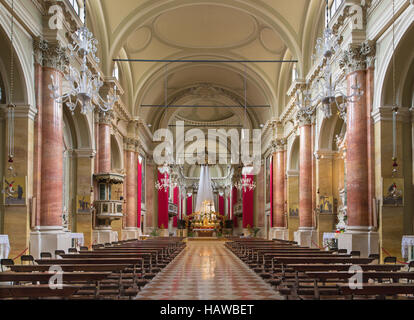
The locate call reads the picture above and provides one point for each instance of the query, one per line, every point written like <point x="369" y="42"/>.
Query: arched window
<point x="115" y="72"/>
<point x="294" y="73"/>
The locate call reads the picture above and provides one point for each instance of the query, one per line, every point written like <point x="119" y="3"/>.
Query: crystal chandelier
<point x="164" y="182"/>
<point x="245" y="183"/>
<point x="327" y="89"/>
<point x="82" y="86"/>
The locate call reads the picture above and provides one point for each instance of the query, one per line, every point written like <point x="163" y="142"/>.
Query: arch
<point x="293" y="155"/>
<point x="153" y="75"/>
<point x="23" y="60"/>
<point x="117" y="157"/>
<point x="144" y="13"/>
<point x="328" y="130"/>
<point x="404" y="31"/>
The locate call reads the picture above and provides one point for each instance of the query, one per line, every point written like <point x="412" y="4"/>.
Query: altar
<point x="205" y="233"/>
<point x="205" y="222"/>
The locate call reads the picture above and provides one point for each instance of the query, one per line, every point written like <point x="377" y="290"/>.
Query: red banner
<point x="221" y="205"/>
<point x="139" y="195"/>
<point x="271" y="191"/>
<point x="162" y="203"/>
<point x="176" y="202"/>
<point x="189" y="205"/>
<point x="234" y="201"/>
<point x="248" y="208"/>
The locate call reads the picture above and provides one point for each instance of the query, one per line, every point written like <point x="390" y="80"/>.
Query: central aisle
<point x="206" y="270"/>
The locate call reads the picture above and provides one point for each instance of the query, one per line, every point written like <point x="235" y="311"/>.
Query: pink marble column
<point x="279" y="190"/>
<point x="305" y="176"/>
<point x="37" y="154"/>
<point x="370" y="144"/>
<point x="131" y="188"/>
<point x="357" y="155"/>
<point x="52" y="154"/>
<point x="273" y="190"/>
<point x="104" y="145"/>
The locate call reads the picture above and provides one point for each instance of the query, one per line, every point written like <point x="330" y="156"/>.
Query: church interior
<point x="207" y="150"/>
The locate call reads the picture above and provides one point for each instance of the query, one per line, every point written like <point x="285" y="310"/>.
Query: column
<point x="49" y="235"/>
<point x="131" y="164"/>
<point x="104" y="144"/>
<point x="279" y="227"/>
<point x="306" y="234"/>
<point x="359" y="235"/>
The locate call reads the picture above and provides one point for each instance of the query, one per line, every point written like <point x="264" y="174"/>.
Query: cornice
<point x="385" y="113"/>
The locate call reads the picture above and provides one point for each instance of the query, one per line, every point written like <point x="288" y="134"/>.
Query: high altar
<point x="206" y="222"/>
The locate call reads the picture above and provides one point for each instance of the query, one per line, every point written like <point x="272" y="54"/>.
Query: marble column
<point x="279" y="227"/>
<point x="49" y="235"/>
<point x="306" y="235"/>
<point x="131" y="230"/>
<point x="359" y="235"/>
<point x="104" y="144"/>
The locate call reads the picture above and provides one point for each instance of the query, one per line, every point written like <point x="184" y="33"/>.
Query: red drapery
<point x="248" y="198"/>
<point x="176" y="202"/>
<point x="271" y="191"/>
<point x="190" y="205"/>
<point x="228" y="208"/>
<point x="234" y="201"/>
<point x="139" y="195"/>
<point x="162" y="204"/>
<point x="221" y="205"/>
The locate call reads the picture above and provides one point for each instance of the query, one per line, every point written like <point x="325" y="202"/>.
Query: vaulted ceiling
<point x="198" y="29"/>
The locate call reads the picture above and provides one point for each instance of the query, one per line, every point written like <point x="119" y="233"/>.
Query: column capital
<point x="105" y="117"/>
<point x="278" y="145"/>
<point x="129" y="144"/>
<point x="358" y="57"/>
<point x="52" y="55"/>
<point x="304" y="117"/>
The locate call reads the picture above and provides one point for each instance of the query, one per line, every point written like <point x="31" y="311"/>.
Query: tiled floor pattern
<point x="206" y="270"/>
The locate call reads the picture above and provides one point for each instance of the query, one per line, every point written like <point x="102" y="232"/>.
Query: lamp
<point x="82" y="86"/>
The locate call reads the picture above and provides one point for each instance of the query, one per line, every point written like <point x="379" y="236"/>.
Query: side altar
<point x="206" y="222"/>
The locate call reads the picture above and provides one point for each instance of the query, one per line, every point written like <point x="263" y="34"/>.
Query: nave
<point x="206" y="270"/>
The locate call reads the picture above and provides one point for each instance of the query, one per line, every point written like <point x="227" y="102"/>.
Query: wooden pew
<point x="71" y="268"/>
<point x="37" y="291"/>
<point x="44" y="277"/>
<point x="380" y="291"/>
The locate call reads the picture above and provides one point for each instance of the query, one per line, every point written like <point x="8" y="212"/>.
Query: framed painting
<point x="14" y="191"/>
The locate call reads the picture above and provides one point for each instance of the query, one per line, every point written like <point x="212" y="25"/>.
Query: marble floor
<point x="206" y="270"/>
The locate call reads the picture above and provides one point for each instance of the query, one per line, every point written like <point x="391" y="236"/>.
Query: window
<point x="78" y="9"/>
<point x="333" y="8"/>
<point x="294" y="73"/>
<point x="115" y="72"/>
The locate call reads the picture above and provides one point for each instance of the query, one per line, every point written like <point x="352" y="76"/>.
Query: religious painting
<point x="268" y="163"/>
<point x="14" y="190"/>
<point x="117" y="192"/>
<point x="325" y="204"/>
<point x="393" y="192"/>
<point x="83" y="204"/>
<point x="294" y="212"/>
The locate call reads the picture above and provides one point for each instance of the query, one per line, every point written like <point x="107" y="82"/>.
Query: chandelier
<point x="82" y="87"/>
<point x="328" y="90"/>
<point x="245" y="183"/>
<point x="164" y="182"/>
